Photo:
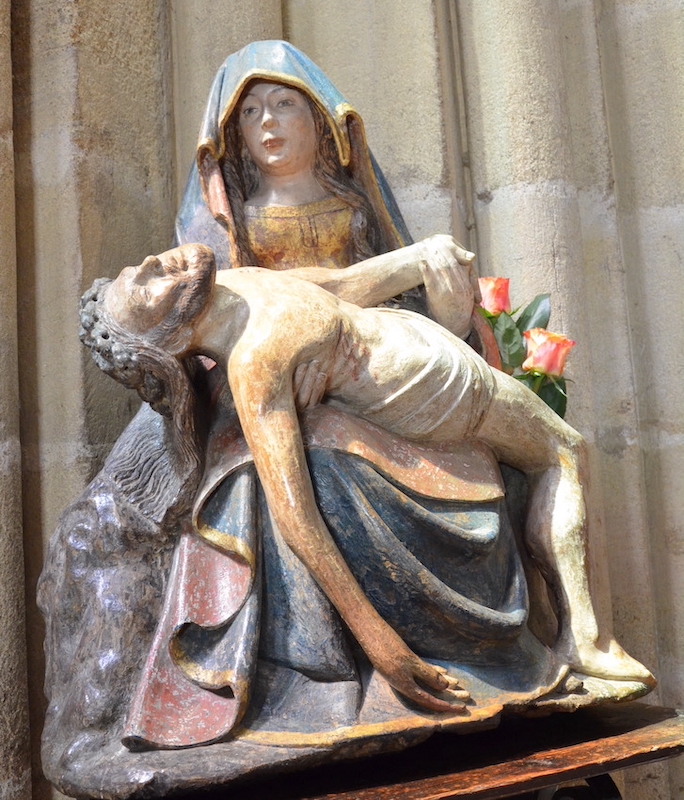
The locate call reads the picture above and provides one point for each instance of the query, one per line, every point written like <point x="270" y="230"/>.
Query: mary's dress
<point x="206" y="630"/>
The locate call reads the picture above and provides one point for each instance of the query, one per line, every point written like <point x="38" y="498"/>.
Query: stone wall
<point x="546" y="135"/>
<point x="15" y="774"/>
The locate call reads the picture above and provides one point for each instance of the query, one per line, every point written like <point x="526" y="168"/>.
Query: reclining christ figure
<point x="271" y="332"/>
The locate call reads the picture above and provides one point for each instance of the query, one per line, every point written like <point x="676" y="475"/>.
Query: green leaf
<point x="551" y="390"/>
<point x="510" y="341"/>
<point x="553" y="393"/>
<point x="528" y="378"/>
<point x="537" y="314"/>
<point x="491" y="318"/>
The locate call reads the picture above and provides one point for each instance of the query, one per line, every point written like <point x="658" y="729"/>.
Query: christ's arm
<point x="438" y="261"/>
<point x="262" y="388"/>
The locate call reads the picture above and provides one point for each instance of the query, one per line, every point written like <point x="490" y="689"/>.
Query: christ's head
<point x="141" y="322"/>
<point x="163" y="294"/>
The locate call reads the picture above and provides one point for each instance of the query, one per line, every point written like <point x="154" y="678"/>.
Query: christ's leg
<point x="526" y="434"/>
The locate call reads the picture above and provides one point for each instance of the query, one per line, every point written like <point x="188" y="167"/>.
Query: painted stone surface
<point x="315" y="558"/>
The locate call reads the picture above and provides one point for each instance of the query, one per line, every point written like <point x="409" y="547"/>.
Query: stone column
<point x="641" y="46"/>
<point x="15" y="773"/>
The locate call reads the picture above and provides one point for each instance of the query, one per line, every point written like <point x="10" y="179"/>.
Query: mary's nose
<point x="268" y="121"/>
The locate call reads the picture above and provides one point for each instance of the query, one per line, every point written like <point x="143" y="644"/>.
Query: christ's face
<point x="142" y="297"/>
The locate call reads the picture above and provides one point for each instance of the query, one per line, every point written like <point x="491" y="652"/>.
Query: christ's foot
<point x="610" y="663"/>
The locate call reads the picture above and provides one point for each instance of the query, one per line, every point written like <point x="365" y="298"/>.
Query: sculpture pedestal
<point x="524" y="758"/>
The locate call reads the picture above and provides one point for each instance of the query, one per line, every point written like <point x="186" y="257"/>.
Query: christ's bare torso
<point x="394" y="368"/>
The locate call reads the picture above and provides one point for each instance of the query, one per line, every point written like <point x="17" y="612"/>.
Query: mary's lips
<point x="272" y="143"/>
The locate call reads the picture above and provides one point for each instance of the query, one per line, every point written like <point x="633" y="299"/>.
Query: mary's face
<point x="142" y="297"/>
<point x="278" y="128"/>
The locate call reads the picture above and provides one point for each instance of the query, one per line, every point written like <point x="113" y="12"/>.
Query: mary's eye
<point x="249" y="111"/>
<point x="285" y="102"/>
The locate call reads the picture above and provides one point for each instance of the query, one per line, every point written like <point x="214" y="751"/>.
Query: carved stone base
<point x="96" y="767"/>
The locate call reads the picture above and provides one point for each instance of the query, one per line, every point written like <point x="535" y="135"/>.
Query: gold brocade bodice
<point x="311" y="235"/>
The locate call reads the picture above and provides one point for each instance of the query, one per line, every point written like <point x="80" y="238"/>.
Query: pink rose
<point x="495" y="297"/>
<point x="546" y="352"/>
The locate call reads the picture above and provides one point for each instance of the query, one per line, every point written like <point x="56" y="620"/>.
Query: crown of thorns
<point x="99" y="333"/>
<point x="114" y="352"/>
